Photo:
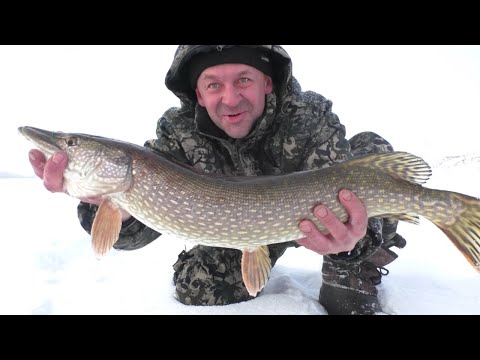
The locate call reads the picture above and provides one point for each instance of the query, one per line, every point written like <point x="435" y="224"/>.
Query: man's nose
<point x="231" y="96"/>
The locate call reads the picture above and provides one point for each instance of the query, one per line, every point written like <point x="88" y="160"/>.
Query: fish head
<point x="97" y="166"/>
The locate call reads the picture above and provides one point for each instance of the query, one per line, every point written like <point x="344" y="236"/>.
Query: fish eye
<point x="71" y="141"/>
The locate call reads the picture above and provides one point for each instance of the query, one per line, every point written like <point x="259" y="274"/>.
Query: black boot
<point x="350" y="289"/>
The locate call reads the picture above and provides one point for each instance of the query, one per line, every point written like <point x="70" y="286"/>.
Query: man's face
<point x="234" y="96"/>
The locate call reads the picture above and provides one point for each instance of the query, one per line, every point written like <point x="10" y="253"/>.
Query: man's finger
<point x="357" y="213"/>
<point x="314" y="239"/>
<point x="335" y="227"/>
<point x="53" y="174"/>
<point x="37" y="160"/>
<point x="321" y="245"/>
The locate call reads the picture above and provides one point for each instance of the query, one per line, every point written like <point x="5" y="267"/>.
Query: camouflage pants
<point x="212" y="276"/>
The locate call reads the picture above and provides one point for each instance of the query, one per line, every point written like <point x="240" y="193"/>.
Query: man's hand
<point x="51" y="172"/>
<point x="341" y="236"/>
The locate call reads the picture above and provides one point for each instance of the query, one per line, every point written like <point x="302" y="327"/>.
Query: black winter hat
<point x="234" y="55"/>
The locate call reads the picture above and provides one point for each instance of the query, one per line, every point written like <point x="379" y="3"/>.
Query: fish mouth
<point x="44" y="140"/>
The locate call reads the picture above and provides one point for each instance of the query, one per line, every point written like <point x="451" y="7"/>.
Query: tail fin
<point x="465" y="231"/>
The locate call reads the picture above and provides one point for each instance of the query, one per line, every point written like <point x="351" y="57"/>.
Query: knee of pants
<point x="368" y="142"/>
<point x="209" y="276"/>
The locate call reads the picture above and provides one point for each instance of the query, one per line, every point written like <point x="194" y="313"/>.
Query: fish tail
<point x="464" y="228"/>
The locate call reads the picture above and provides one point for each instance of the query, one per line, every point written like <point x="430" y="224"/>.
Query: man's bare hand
<point x="51" y="172"/>
<point x="340" y="236"/>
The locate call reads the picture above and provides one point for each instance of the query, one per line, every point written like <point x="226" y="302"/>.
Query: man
<point x="243" y="113"/>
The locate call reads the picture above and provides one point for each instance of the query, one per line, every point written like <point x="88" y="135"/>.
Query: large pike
<point x="248" y="213"/>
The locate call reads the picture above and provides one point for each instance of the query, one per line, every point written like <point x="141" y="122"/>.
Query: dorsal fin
<point x="397" y="164"/>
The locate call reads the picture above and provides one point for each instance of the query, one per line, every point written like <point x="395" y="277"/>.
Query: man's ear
<point x="268" y="85"/>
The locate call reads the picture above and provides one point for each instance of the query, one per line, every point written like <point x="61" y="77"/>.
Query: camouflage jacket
<point x="298" y="131"/>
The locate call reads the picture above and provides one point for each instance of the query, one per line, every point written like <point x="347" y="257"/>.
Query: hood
<point x="177" y="80"/>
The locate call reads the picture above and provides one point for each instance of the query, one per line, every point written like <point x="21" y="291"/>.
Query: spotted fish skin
<point x="248" y="213"/>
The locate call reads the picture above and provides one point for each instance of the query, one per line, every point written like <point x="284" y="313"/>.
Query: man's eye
<point x="213" y="86"/>
<point x="244" y="80"/>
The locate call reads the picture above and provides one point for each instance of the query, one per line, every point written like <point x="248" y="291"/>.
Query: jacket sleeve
<point x="134" y="234"/>
<point x="327" y="144"/>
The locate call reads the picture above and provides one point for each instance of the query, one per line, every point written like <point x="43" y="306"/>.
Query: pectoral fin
<point x="106" y="228"/>
<point x="256" y="267"/>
